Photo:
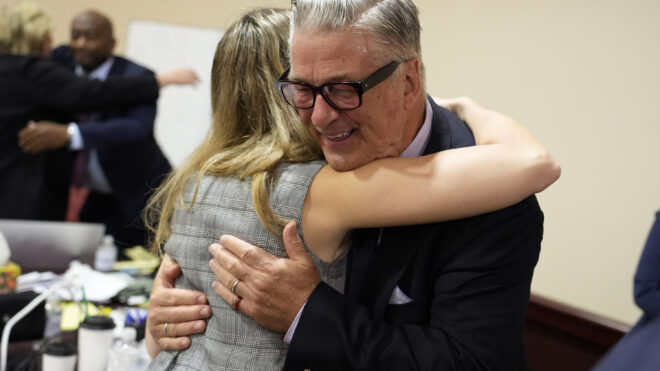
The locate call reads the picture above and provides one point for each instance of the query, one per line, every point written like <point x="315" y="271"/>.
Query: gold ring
<point x="233" y="288"/>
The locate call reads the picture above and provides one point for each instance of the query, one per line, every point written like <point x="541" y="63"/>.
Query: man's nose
<point x="79" y="42"/>
<point x="322" y="113"/>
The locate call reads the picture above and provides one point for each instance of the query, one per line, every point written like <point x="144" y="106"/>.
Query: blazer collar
<point x="118" y="67"/>
<point x="440" y="139"/>
<point x="398" y="246"/>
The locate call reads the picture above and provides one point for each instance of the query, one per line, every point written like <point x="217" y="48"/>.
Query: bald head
<point x="92" y="40"/>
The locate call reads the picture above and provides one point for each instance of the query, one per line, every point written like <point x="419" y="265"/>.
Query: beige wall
<point x="582" y="75"/>
<point x="206" y="13"/>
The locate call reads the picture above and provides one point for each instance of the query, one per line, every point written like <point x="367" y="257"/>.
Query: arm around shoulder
<point x="493" y="128"/>
<point x="507" y="165"/>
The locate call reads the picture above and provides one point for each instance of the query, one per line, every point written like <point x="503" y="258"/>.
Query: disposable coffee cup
<point x="95" y="337"/>
<point x="59" y="357"/>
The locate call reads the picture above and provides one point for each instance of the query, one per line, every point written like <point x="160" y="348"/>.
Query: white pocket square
<point x="398" y="297"/>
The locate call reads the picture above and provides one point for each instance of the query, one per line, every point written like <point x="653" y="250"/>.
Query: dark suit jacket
<point x="468" y="279"/>
<point x="34" y="88"/>
<point x="647" y="276"/>
<point x="130" y="157"/>
<point x="638" y="350"/>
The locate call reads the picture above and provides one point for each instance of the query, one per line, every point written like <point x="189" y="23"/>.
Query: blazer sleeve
<point x="647" y="276"/>
<point x="54" y="87"/>
<point x="133" y="124"/>
<point x="472" y="318"/>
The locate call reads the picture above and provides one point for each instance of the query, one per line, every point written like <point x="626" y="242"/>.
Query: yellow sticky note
<point x="72" y="314"/>
<point x="140" y="260"/>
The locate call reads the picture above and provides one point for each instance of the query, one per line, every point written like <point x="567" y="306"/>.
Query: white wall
<point x="582" y="75"/>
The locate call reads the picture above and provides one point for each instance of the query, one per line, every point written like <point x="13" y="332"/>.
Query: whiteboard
<point x="184" y="113"/>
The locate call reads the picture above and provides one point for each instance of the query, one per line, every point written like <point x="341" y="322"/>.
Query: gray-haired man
<point x="438" y="296"/>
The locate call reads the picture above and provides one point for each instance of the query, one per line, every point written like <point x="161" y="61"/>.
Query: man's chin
<point x="345" y="163"/>
<point x="87" y="65"/>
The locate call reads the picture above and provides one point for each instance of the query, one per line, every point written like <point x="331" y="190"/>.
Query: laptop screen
<point x="51" y="246"/>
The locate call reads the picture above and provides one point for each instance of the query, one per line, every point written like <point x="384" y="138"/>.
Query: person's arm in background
<point x="135" y="124"/>
<point x="55" y="87"/>
<point x="182" y="310"/>
<point x="647" y="277"/>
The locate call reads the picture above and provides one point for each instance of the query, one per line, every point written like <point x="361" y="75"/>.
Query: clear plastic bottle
<point x="125" y="354"/>
<point x="106" y="254"/>
<point x="53" y="317"/>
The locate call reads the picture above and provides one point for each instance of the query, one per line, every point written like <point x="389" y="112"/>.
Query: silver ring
<point x="165" y="329"/>
<point x="233" y="288"/>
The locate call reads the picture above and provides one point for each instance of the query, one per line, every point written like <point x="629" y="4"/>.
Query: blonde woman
<point x="253" y="172"/>
<point x="33" y="87"/>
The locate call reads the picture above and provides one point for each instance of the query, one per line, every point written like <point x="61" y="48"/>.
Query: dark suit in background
<point x="466" y="284"/>
<point x="640" y="348"/>
<point x="129" y="156"/>
<point x="647" y="276"/>
<point x="35" y="186"/>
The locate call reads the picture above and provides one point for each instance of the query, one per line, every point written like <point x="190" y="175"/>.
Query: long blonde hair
<point x="24" y="28"/>
<point x="253" y="129"/>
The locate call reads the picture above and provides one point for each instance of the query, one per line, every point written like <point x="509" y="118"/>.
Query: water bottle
<point x="53" y="316"/>
<point x="125" y="354"/>
<point x="106" y="254"/>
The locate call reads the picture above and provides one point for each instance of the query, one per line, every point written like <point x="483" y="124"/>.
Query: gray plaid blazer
<point x="233" y="341"/>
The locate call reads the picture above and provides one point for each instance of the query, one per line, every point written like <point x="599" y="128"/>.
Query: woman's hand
<point x="173" y="314"/>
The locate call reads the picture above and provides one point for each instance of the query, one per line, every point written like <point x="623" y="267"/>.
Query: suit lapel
<point x="118" y="67"/>
<point x="360" y="258"/>
<point x="399" y="244"/>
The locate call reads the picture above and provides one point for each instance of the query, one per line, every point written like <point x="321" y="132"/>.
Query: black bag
<point x="31" y="327"/>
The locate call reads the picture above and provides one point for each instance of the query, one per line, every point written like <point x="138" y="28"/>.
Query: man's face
<point x="350" y="138"/>
<point x="91" y="41"/>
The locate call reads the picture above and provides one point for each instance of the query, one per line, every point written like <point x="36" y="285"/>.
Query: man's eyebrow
<point x="332" y="79"/>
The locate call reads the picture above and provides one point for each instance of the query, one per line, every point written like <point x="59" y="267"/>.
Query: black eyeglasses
<point x="339" y="95"/>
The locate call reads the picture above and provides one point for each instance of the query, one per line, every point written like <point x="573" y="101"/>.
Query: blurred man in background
<point x="118" y="162"/>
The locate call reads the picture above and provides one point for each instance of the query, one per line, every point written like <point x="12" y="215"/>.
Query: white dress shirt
<point x="95" y="178"/>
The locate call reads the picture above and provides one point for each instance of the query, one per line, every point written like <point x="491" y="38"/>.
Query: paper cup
<point x="95" y="337"/>
<point x="59" y="357"/>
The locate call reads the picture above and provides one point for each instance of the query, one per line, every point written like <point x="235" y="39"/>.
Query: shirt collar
<point x="417" y="146"/>
<point x="100" y="73"/>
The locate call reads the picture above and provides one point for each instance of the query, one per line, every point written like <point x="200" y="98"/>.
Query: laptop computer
<point x="51" y="246"/>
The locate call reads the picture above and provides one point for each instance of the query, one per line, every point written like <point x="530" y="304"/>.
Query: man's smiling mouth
<point x="340" y="136"/>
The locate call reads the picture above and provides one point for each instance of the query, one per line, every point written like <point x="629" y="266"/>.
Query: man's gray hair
<point x="394" y="24"/>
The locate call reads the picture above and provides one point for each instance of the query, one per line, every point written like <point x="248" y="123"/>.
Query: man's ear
<point x="412" y="81"/>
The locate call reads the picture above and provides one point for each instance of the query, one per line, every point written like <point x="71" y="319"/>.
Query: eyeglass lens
<point x="340" y="95"/>
<point x="343" y="96"/>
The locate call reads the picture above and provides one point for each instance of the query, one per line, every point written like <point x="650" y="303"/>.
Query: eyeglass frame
<point x="360" y="87"/>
